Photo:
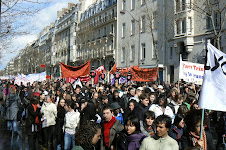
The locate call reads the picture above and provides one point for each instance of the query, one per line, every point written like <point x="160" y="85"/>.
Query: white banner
<point x="213" y="94"/>
<point x="30" y="78"/>
<point x="191" y="72"/>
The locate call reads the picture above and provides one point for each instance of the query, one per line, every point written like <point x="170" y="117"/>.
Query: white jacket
<point x="71" y="121"/>
<point x="158" y="110"/>
<point x="50" y="113"/>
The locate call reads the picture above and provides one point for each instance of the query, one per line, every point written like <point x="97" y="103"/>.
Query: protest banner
<point x="70" y="71"/>
<point x="191" y="72"/>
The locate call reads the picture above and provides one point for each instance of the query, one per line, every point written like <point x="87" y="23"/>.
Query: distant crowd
<point x="130" y="116"/>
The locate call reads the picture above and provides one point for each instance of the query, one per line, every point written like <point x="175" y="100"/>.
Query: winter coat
<point x="71" y="121"/>
<point x="49" y="110"/>
<point x="176" y="134"/>
<point x="11" y="104"/>
<point x="129" y="142"/>
<point x="158" y="110"/>
<point x="31" y="117"/>
<point x="59" y="124"/>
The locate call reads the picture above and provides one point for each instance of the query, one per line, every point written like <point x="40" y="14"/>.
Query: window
<point x="190" y="24"/>
<point x="208" y="22"/>
<point x="133" y="4"/>
<point x="171" y="52"/>
<point x="142" y="2"/>
<point x="217" y="18"/>
<point x="132" y="53"/>
<point x="111" y="45"/>
<point x="142" y="52"/>
<point x="124" y="5"/>
<point x="123" y="29"/>
<point x="177" y="26"/>
<point x="153" y="21"/>
<point x="123" y="54"/>
<point x="177" y="5"/>
<point x="183" y="3"/>
<point x="143" y="24"/>
<point x="184" y="25"/>
<point x="105" y="31"/>
<point x="99" y="33"/>
<point x="112" y="28"/>
<point x="132" y="27"/>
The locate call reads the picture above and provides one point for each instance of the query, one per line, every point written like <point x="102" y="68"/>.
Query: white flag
<point x="213" y="94"/>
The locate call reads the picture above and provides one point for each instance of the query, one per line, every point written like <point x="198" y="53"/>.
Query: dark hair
<point x="144" y="96"/>
<point x="183" y="109"/>
<point x="86" y="132"/>
<point x="192" y="118"/>
<point x="70" y="103"/>
<point x="108" y="107"/>
<point x="134" y="121"/>
<point x="148" y="114"/>
<point x="34" y="99"/>
<point x="162" y="96"/>
<point x="164" y="119"/>
<point x="178" y="119"/>
<point x="132" y="101"/>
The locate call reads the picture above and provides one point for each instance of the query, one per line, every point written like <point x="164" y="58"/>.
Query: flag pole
<point x="203" y="110"/>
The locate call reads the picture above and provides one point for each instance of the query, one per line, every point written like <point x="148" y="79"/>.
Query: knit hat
<point x="115" y="105"/>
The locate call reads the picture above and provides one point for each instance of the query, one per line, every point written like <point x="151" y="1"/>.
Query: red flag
<point x="42" y="65"/>
<point x="69" y="71"/>
<point x="98" y="71"/>
<point x="48" y="76"/>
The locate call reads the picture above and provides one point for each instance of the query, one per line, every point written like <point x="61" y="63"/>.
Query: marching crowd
<point x="145" y="116"/>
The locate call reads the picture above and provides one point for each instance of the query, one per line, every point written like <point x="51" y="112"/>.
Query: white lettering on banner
<point x="191" y="72"/>
<point x="213" y="91"/>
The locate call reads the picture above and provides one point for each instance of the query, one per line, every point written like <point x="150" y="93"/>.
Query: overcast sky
<point x="39" y="21"/>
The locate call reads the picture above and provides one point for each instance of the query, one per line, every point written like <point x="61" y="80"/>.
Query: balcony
<point x="109" y="52"/>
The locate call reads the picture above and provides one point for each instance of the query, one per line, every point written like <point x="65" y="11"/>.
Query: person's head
<point x="144" y="99"/>
<point x="132" y="124"/>
<point x="179" y="121"/>
<point x="69" y="105"/>
<point x="183" y="109"/>
<point x="116" y="108"/>
<point x="12" y="89"/>
<point x="179" y="99"/>
<point x="83" y="103"/>
<point x="139" y="91"/>
<point x="42" y="96"/>
<point x="173" y="93"/>
<point x="78" y="90"/>
<point x="149" y="117"/>
<point x="160" y="88"/>
<point x="162" y="101"/>
<point x="34" y="99"/>
<point x="195" y="106"/>
<point x="131" y="105"/>
<point x="74" y="98"/>
<point x="152" y="97"/>
<point x="105" y="99"/>
<point x="193" y="121"/>
<point x="62" y="103"/>
<point x="116" y="94"/>
<point x="58" y="92"/>
<point x="88" y="134"/>
<point x="95" y="95"/>
<point x="107" y="113"/>
<point x="131" y="91"/>
<point x="47" y="99"/>
<point x="163" y="125"/>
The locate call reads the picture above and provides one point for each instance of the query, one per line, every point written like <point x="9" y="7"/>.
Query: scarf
<point x="35" y="108"/>
<point x="134" y="141"/>
<point x="107" y="128"/>
<point x="196" y="138"/>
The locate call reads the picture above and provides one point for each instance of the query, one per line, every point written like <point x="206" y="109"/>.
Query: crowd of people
<point x="130" y="116"/>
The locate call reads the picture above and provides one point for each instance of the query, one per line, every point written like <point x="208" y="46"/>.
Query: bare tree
<point x="15" y="15"/>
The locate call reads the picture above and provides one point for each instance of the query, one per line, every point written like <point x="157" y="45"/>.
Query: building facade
<point x="96" y="36"/>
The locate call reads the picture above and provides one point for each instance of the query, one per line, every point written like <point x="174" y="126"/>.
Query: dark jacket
<point x="187" y="141"/>
<point x="129" y="142"/>
<point x="59" y="124"/>
<point x="31" y="117"/>
<point x="176" y="134"/>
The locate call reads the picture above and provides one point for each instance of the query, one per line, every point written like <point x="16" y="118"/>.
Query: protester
<point x="12" y="106"/>
<point x="131" y="137"/>
<point x="162" y="140"/>
<point x="87" y="136"/>
<point x="147" y="125"/>
<point x="72" y="119"/>
<point x="111" y="128"/>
